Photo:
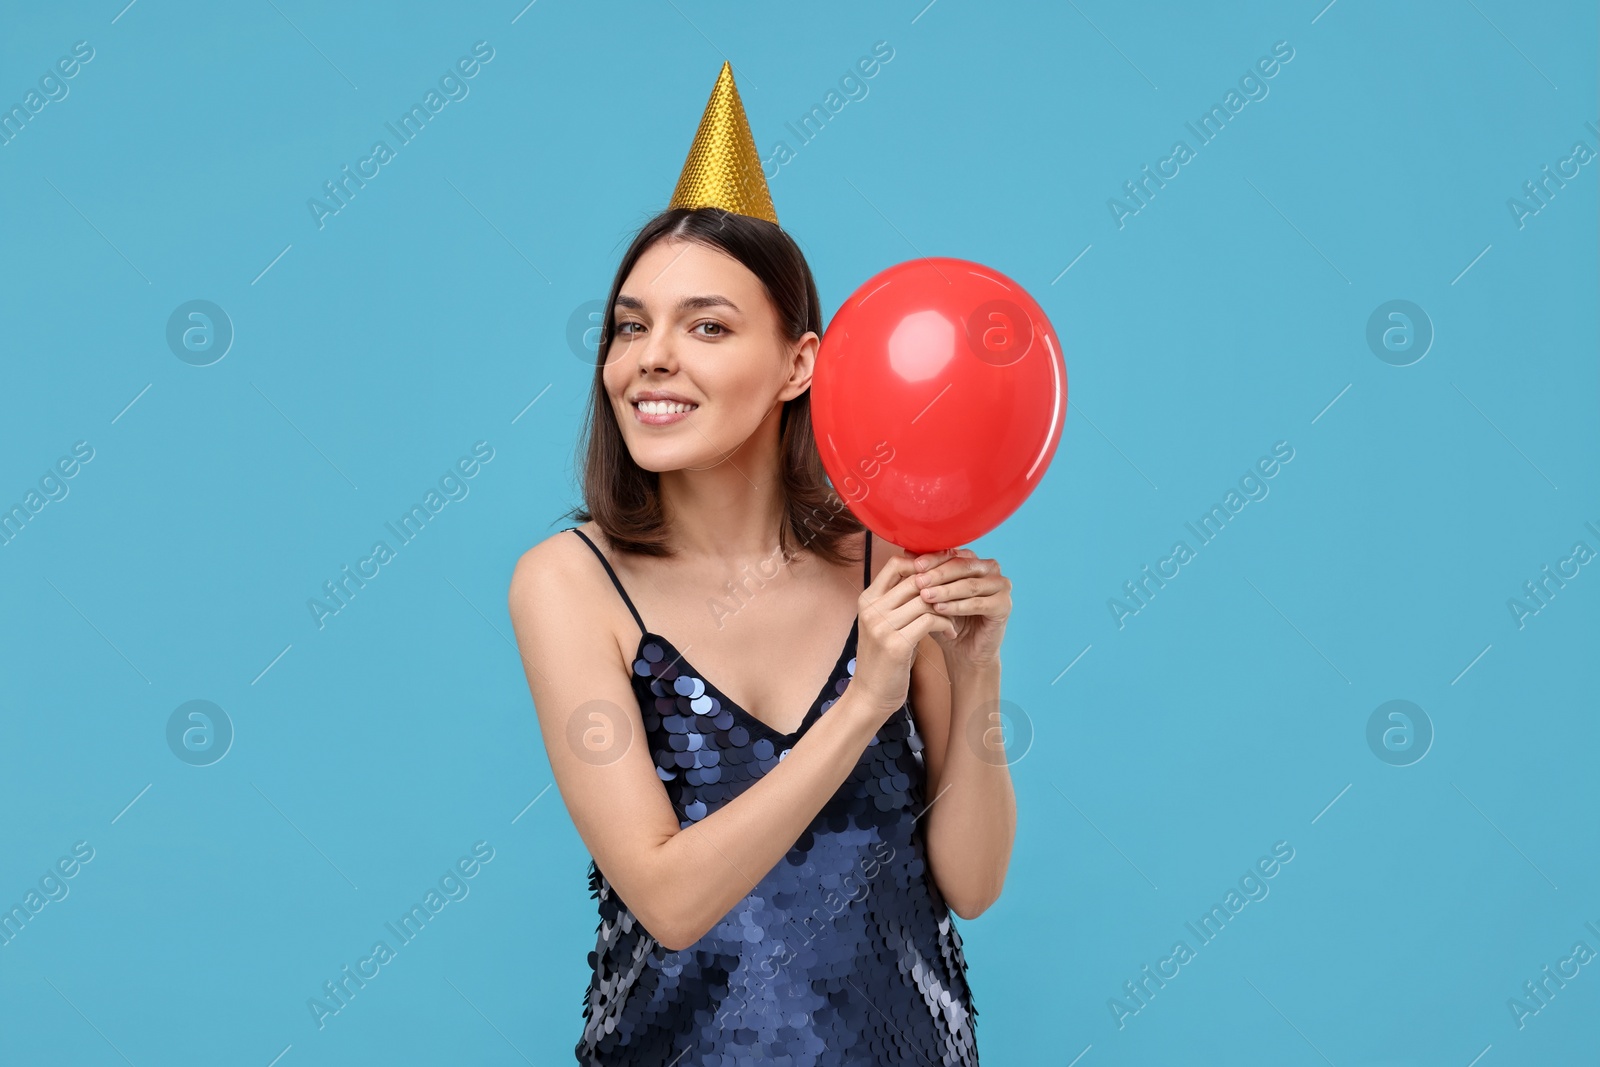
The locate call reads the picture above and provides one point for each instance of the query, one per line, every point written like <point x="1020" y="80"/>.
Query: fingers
<point x="893" y="585"/>
<point x="930" y="560"/>
<point x="937" y="584"/>
<point x="964" y="587"/>
<point x="955" y="567"/>
<point x="977" y="605"/>
<point x="883" y="616"/>
<point x="925" y="625"/>
<point x="903" y="615"/>
<point x="899" y="567"/>
<point x="894" y="569"/>
<point x="891" y="603"/>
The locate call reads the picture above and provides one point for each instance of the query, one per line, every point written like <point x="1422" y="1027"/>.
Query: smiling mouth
<point x="663" y="407"/>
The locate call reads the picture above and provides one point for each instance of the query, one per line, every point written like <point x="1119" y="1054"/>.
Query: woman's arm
<point x="971" y="817"/>
<point x="678" y="884"/>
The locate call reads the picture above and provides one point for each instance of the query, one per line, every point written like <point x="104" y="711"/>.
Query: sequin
<point x="843" y="954"/>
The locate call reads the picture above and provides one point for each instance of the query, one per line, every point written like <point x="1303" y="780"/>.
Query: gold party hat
<point x="723" y="169"/>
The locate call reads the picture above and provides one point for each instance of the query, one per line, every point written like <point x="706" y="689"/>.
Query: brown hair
<point x="621" y="497"/>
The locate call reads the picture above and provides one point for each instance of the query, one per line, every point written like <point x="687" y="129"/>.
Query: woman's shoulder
<point x="551" y="573"/>
<point x="559" y="592"/>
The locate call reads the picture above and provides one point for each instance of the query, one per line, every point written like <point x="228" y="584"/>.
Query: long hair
<point x="624" y="499"/>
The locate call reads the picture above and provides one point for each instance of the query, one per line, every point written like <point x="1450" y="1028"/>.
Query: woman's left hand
<point x="974" y="595"/>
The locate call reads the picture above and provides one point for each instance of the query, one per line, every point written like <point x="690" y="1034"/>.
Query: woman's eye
<point x="714" y="325"/>
<point x="622" y="328"/>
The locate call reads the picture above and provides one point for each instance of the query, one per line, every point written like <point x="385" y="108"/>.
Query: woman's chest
<point x="774" y="677"/>
<point x="767" y="646"/>
<point x="706" y="750"/>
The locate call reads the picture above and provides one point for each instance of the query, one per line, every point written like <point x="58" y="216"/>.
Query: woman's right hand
<point x="893" y="620"/>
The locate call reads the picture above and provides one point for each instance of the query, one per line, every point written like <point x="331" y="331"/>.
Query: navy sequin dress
<point x="844" y="953"/>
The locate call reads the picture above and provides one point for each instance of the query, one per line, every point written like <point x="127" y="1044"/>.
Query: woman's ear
<point x="802" y="364"/>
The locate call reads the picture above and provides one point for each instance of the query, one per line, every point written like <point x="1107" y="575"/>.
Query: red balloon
<point x="938" y="398"/>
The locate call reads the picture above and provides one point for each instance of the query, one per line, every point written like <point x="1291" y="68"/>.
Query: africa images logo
<point x="453" y="486"/>
<point x="1207" y="128"/>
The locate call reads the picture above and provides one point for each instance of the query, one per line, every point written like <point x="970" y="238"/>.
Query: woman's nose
<point x="654" y="351"/>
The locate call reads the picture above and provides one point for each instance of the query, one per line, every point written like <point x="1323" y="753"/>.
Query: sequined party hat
<point x="723" y="169"/>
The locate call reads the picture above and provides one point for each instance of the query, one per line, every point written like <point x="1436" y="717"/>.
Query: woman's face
<point x="697" y="325"/>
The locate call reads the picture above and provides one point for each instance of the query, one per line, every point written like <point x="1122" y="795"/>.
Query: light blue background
<point x="1227" y="315"/>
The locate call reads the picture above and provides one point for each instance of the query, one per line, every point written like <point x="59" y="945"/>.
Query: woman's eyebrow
<point x="688" y="303"/>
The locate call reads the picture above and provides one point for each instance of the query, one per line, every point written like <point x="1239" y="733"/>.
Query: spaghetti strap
<point x="621" y="591"/>
<point x="866" y="572"/>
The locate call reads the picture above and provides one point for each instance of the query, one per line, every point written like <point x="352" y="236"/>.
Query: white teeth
<point x="663" y="407"/>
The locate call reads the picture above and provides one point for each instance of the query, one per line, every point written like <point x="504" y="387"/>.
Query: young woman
<point x="772" y="729"/>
